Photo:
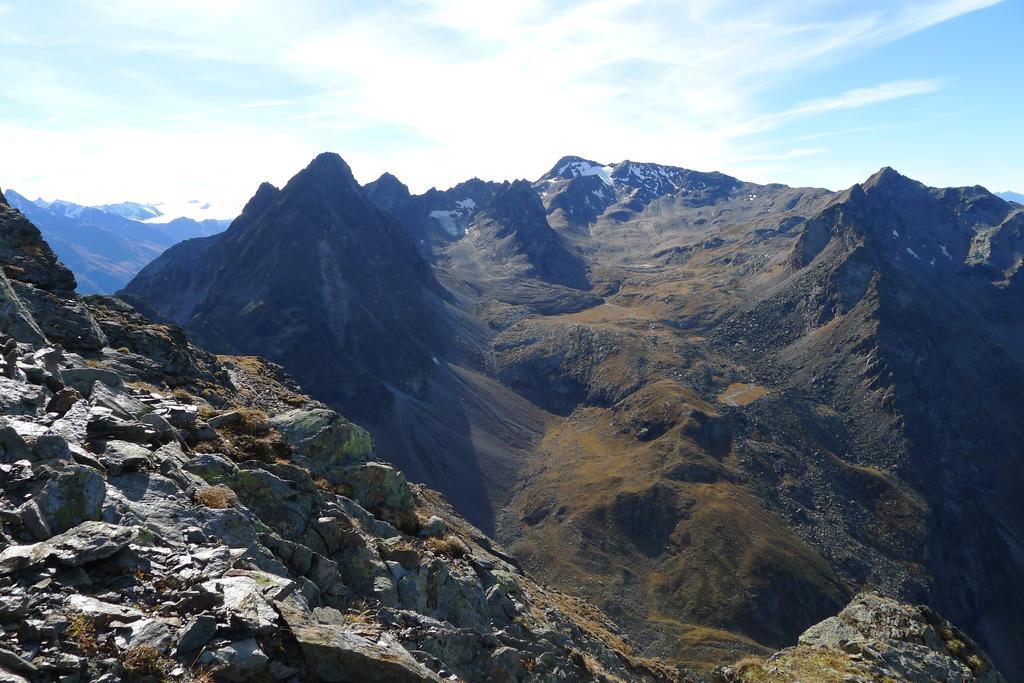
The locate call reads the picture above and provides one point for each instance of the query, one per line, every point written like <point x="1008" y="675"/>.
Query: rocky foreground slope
<point x="169" y="515"/>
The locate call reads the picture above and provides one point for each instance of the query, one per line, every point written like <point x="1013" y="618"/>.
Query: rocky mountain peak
<point x="889" y="180"/>
<point x="3" y="199"/>
<point x="386" y="185"/>
<point x="327" y="176"/>
<point x="512" y="230"/>
<point x="517" y="205"/>
<point x="390" y="194"/>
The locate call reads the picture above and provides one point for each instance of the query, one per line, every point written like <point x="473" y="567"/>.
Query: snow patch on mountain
<point x="577" y="169"/>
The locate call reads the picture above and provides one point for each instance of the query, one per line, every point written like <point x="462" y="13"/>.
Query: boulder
<point x="238" y="661"/>
<point x="123" y="405"/>
<point x="12" y="445"/>
<point x="324" y="438"/>
<point x="87" y="542"/>
<point x="103" y="424"/>
<point x="332" y="653"/>
<point x="73" y="425"/>
<point x="83" y="379"/>
<point x="15" y="318"/>
<point x="124" y="456"/>
<point x="247" y="599"/>
<point x="19" y="398"/>
<point x="73" y="495"/>
<point x="100" y="611"/>
<point x="196" y="632"/>
<point x="379" y="488"/>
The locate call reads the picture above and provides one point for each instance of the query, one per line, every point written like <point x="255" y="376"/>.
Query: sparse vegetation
<point x="250" y="438"/>
<point x="82" y="631"/>
<point x="145" y="664"/>
<point x="217" y="497"/>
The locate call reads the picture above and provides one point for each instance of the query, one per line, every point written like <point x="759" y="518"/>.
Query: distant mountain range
<point x="106" y="245"/>
<point x="1012" y="196"/>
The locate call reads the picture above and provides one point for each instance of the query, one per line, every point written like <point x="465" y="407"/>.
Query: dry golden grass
<point x="250" y="438"/>
<point x="450" y="546"/>
<point x="200" y="675"/>
<point x="144" y="386"/>
<point x="218" y="497"/>
<point x="716" y="545"/>
<point x="804" y="663"/>
<point x="327" y="487"/>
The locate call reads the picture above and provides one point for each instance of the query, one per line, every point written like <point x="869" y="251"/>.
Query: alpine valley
<point x="663" y="425"/>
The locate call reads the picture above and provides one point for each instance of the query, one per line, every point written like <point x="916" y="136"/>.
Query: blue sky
<point x="169" y="100"/>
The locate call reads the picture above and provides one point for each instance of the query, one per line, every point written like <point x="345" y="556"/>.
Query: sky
<point x="173" y="100"/>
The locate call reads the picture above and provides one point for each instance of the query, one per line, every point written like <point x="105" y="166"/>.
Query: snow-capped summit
<point x="571" y="167"/>
<point x="132" y="210"/>
<point x="583" y="190"/>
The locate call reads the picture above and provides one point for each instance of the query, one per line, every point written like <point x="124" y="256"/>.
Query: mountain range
<point x="1012" y="196"/>
<point x="106" y="245"/>
<point x="716" y="409"/>
<point x="168" y="514"/>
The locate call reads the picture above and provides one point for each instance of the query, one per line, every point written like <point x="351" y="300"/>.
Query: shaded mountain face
<point x="718" y="409"/>
<point x="901" y="313"/>
<point x="311" y="268"/>
<point x="106" y="246"/>
<point x="512" y="231"/>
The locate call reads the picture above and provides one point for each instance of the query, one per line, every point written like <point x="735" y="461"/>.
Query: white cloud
<point x="436" y="90"/>
<point x="851" y="99"/>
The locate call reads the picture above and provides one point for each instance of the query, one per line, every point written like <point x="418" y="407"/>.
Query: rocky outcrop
<point x="43" y="287"/>
<point x="874" y="639"/>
